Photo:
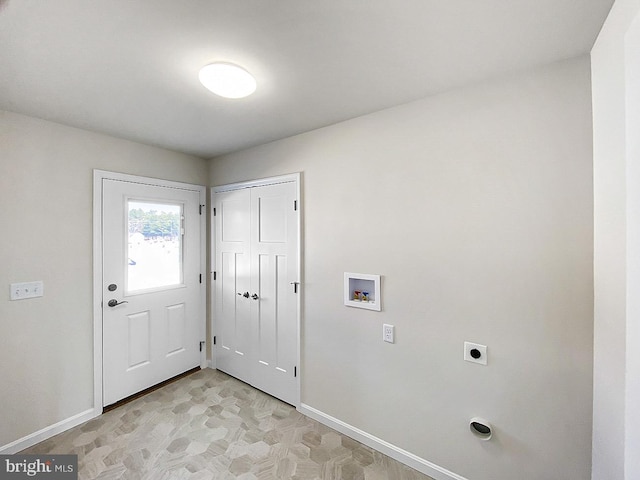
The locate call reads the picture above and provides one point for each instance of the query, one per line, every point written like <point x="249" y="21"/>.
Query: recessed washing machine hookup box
<point x="362" y="290"/>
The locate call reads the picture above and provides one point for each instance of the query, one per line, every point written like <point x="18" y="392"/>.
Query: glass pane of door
<point x="155" y="237"/>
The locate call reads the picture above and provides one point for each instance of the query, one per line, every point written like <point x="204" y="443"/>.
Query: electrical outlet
<point x="20" y="291"/>
<point x="388" y="333"/>
<point x="476" y="353"/>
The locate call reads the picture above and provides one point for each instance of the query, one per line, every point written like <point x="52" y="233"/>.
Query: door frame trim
<point x="260" y="182"/>
<point x="98" y="177"/>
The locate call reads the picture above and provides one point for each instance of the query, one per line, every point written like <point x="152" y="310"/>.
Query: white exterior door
<point x="256" y="319"/>
<point x="152" y="297"/>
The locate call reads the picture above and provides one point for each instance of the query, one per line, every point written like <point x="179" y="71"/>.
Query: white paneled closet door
<point x="256" y="320"/>
<point x="232" y="282"/>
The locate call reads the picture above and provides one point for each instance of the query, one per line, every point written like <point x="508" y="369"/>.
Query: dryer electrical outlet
<point x="476" y="353"/>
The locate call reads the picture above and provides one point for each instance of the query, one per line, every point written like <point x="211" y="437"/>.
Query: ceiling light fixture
<point x="227" y="80"/>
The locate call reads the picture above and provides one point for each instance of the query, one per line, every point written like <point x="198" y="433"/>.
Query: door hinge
<point x="200" y="208"/>
<point x="202" y="345"/>
<point x="295" y="371"/>
<point x="200" y="278"/>
<point x="295" y="286"/>
<point x="215" y="275"/>
<point x="295" y="205"/>
<point x="214" y="211"/>
<point x="214" y="339"/>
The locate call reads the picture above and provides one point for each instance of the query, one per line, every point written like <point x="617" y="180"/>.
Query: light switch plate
<point x="20" y="291"/>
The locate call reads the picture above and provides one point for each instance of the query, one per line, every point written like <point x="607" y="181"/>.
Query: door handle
<point x="255" y="296"/>
<point x="113" y="302"/>
<point x="245" y="294"/>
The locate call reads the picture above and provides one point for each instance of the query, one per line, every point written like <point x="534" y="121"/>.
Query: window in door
<point x="155" y="246"/>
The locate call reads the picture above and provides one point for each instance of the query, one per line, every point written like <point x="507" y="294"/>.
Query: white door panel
<point x="273" y="255"/>
<point x="232" y="308"/>
<point x="151" y="269"/>
<point x="256" y="298"/>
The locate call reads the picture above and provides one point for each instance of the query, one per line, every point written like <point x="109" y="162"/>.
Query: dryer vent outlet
<point x="480" y="428"/>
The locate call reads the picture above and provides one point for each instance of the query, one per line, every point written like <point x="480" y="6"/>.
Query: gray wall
<point x="46" y="181"/>
<point x="476" y="207"/>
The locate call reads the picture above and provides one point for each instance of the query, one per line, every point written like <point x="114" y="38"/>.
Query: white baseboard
<point x="50" y="431"/>
<point x="413" y="461"/>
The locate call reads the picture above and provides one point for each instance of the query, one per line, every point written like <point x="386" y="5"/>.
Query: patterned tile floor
<point x="208" y="426"/>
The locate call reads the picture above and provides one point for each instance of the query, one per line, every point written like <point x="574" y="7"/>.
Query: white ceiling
<point x="129" y="68"/>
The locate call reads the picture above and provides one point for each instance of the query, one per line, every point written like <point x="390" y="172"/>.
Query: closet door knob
<point x="255" y="296"/>
<point x="245" y="294"/>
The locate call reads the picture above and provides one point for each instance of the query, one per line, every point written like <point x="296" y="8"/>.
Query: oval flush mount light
<point x="227" y="80"/>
